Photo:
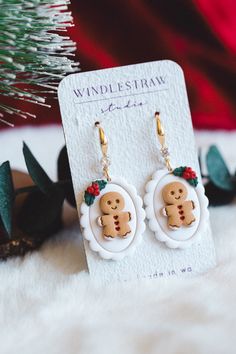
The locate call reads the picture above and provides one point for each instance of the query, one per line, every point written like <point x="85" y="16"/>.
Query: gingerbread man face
<point x="174" y="193"/>
<point x="111" y="203"/>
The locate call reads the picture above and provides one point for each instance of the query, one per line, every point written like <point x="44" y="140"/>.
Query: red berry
<point x="189" y="173"/>
<point x="186" y="175"/>
<point x="94" y="189"/>
<point x="95" y="186"/>
<point x="90" y="190"/>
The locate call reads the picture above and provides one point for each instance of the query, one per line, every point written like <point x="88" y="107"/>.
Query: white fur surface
<point x="49" y="305"/>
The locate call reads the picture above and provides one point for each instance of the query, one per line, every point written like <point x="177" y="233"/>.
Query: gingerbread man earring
<point x="111" y="214"/>
<point x="176" y="205"/>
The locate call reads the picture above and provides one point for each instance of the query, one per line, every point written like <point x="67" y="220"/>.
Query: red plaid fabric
<point x="200" y="35"/>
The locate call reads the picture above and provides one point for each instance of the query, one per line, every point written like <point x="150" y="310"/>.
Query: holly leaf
<point x="218" y="171"/>
<point x="36" y="172"/>
<point x="40" y="215"/>
<point x="102" y="183"/>
<point x="64" y="174"/>
<point x="88" y="198"/>
<point x="178" y="171"/>
<point x="193" y="182"/>
<point x="7" y="196"/>
<point x="218" y="196"/>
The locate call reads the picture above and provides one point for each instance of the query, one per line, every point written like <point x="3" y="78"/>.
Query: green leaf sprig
<point x="221" y="184"/>
<point x="41" y="212"/>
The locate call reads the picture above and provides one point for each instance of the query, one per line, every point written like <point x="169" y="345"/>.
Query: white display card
<point x="124" y="100"/>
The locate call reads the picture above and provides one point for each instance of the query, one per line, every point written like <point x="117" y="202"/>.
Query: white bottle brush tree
<point x="35" y="52"/>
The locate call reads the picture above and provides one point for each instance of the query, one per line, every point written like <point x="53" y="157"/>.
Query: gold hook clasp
<point x="103" y="138"/>
<point x="161" y="137"/>
<point x="104" y="147"/>
<point x="160" y="129"/>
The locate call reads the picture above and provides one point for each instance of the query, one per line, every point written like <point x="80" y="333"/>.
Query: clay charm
<point x="184" y="198"/>
<point x="112" y="218"/>
<point x="111" y="210"/>
<point x="178" y="209"/>
<point x="115" y="221"/>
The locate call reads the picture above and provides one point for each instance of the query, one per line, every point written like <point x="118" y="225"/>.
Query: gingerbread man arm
<point x="126" y="215"/>
<point x="99" y="221"/>
<point x="189" y="204"/>
<point x="103" y="220"/>
<point x="168" y="210"/>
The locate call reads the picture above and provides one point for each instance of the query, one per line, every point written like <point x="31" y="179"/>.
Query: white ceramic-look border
<point x="117" y="248"/>
<point x="185" y="236"/>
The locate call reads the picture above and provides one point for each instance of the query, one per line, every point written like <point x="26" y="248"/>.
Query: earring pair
<point x="112" y="216"/>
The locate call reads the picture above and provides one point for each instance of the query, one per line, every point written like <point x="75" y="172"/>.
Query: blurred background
<point x="200" y="35"/>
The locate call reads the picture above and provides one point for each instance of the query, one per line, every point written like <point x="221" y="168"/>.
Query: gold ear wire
<point x="161" y="136"/>
<point x="103" y="138"/>
<point x="104" y="147"/>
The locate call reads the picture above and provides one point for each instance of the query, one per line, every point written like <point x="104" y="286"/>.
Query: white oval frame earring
<point x="114" y="234"/>
<point x="169" y="222"/>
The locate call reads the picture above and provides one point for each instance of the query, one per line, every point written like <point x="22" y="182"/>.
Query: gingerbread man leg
<point x="109" y="233"/>
<point x="124" y="231"/>
<point x="174" y="222"/>
<point x="189" y="219"/>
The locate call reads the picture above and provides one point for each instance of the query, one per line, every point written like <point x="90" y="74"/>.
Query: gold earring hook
<point x="103" y="138"/>
<point x="160" y="129"/>
<point x="104" y="147"/>
<point x="161" y="136"/>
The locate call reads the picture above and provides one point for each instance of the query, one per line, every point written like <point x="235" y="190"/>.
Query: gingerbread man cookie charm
<point x="178" y="209"/>
<point x="176" y="205"/>
<point x="112" y="216"/>
<point x="115" y="221"/>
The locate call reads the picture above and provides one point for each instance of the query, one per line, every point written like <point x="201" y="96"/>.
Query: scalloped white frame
<point x="140" y="224"/>
<point x="153" y="220"/>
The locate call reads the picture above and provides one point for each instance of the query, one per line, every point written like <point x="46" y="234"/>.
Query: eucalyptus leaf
<point x="36" y="172"/>
<point x="4" y="237"/>
<point x="64" y="174"/>
<point x="40" y="215"/>
<point x="7" y="196"/>
<point x="218" y="172"/>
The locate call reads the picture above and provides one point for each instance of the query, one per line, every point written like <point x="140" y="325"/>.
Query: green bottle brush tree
<point x="35" y="53"/>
